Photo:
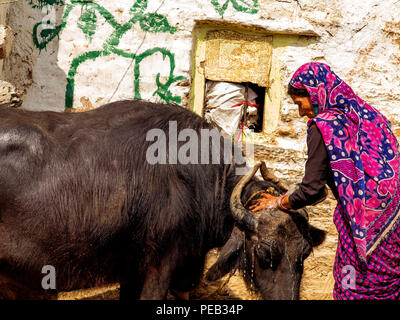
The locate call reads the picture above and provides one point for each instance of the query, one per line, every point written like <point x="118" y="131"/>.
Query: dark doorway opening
<point x="224" y="105"/>
<point x="260" y="100"/>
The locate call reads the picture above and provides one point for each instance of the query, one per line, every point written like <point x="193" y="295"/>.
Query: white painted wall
<point x="359" y="39"/>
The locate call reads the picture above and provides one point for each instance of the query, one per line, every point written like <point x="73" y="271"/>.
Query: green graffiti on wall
<point x="42" y="3"/>
<point x="245" y="6"/>
<point x="149" y="22"/>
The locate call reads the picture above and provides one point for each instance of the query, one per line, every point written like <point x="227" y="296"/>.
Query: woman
<point x="352" y="149"/>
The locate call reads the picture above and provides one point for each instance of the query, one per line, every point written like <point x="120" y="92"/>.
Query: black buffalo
<point x="77" y="193"/>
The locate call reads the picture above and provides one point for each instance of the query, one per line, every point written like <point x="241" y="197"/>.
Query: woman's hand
<point x="266" y="202"/>
<point x="270" y="202"/>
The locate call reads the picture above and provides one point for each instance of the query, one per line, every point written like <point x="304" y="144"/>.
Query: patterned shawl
<point x="363" y="152"/>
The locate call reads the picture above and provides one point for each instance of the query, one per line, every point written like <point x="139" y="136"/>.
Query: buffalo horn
<point x="242" y="216"/>
<point x="269" y="176"/>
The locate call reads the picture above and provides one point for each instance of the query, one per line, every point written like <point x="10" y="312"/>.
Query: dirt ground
<point x="317" y="282"/>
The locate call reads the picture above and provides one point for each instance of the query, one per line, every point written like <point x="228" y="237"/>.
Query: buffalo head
<point x="269" y="246"/>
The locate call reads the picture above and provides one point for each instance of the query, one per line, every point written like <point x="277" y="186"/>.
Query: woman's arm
<point x="312" y="188"/>
<point x="317" y="169"/>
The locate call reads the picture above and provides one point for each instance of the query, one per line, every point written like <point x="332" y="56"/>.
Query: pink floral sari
<point x="365" y="161"/>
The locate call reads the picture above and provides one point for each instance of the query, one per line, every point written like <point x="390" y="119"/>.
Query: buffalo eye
<point x="268" y="255"/>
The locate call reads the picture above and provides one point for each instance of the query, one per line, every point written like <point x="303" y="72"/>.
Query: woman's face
<point x="305" y="106"/>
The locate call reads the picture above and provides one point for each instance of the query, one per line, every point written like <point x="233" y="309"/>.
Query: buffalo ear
<point x="317" y="236"/>
<point x="229" y="257"/>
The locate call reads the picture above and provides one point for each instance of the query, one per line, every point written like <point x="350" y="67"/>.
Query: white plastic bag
<point x="224" y="101"/>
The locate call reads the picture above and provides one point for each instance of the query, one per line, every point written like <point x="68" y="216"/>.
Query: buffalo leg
<point x="130" y="289"/>
<point x="186" y="278"/>
<point x="156" y="283"/>
<point x="131" y="281"/>
<point x="179" y="295"/>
